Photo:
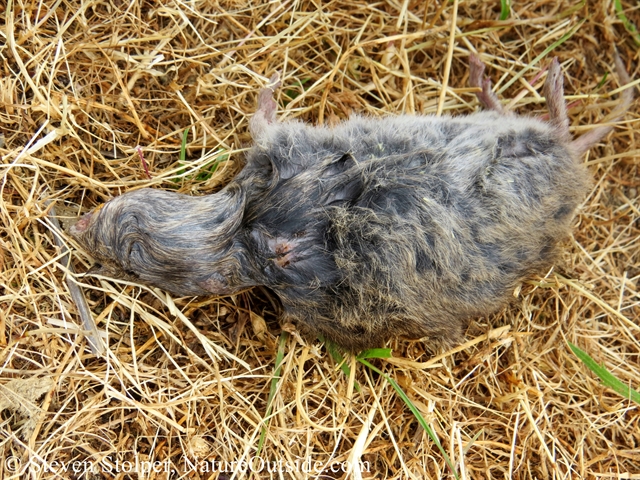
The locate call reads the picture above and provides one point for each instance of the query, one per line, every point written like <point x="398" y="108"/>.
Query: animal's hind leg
<point x="266" y="112"/>
<point x="486" y="97"/>
<point x="554" y="93"/>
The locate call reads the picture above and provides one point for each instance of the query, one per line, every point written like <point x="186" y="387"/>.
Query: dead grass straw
<point x="185" y="382"/>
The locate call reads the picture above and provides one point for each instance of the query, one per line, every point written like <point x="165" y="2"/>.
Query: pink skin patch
<point x="283" y="251"/>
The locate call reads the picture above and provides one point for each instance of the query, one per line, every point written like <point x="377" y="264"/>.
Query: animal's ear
<point x="266" y="113"/>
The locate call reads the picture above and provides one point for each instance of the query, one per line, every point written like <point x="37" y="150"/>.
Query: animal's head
<point x="176" y="242"/>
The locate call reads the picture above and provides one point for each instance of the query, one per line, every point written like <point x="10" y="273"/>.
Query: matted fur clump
<point x="96" y="101"/>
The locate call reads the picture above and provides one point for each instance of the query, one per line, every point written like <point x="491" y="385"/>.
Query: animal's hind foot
<point x="486" y="97"/>
<point x="266" y="112"/>
<point x="585" y="142"/>
<point x="554" y="94"/>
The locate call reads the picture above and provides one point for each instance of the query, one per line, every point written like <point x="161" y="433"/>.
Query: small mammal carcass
<point x="377" y="227"/>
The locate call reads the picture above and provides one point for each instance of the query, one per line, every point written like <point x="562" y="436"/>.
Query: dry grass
<point x="184" y="379"/>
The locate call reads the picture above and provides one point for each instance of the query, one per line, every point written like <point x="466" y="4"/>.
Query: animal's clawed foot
<point x="266" y="112"/>
<point x="486" y="97"/>
<point x="554" y="94"/>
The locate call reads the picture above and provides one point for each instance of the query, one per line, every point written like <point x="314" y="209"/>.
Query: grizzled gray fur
<point x="376" y="227"/>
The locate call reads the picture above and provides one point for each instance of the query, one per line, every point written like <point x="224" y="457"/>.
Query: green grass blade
<point x="570" y="11"/>
<point x="375" y="353"/>
<point x="505" y="9"/>
<point x="608" y="379"/>
<point x="546" y="52"/>
<point x="292" y="94"/>
<point x="272" y="390"/>
<point x="601" y="82"/>
<point x="337" y="356"/>
<point x="207" y="170"/>
<point x="183" y="145"/>
<point x="414" y="410"/>
<point x="628" y="24"/>
<point x="183" y="153"/>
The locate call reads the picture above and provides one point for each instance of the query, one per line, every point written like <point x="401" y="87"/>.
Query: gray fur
<point x="405" y="225"/>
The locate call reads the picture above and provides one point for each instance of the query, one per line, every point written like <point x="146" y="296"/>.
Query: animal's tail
<point x="583" y="143"/>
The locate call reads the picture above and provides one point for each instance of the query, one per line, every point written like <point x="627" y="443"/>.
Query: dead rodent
<point x="376" y="227"/>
